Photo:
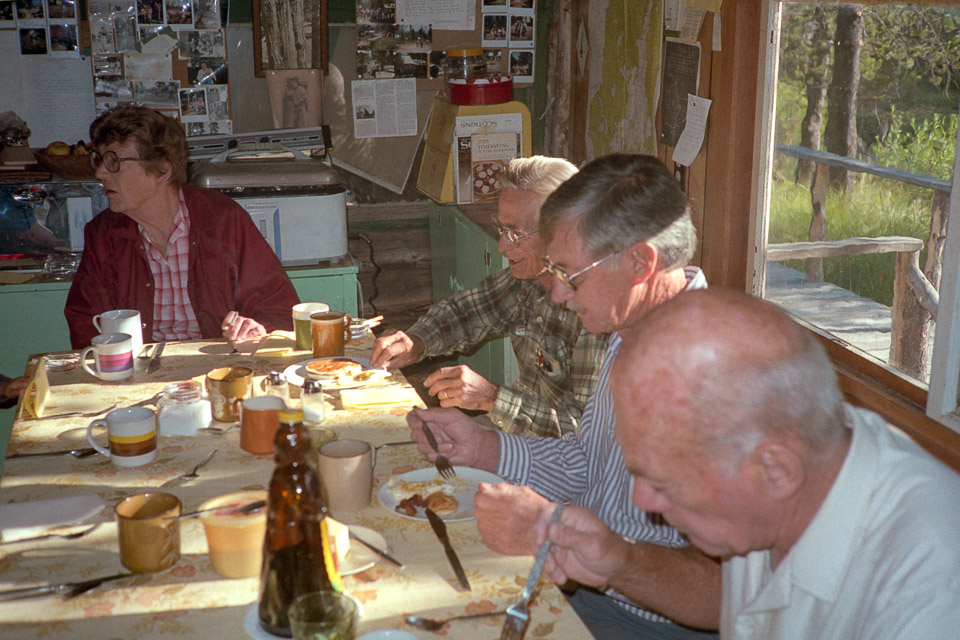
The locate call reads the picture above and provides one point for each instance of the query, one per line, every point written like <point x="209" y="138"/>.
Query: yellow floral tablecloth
<point x="190" y="600"/>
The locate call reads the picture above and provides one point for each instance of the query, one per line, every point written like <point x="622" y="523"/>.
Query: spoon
<point x="429" y="624"/>
<point x="247" y="508"/>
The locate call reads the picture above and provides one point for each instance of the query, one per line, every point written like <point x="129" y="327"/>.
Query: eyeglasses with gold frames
<point x="512" y="236"/>
<point x="567" y="279"/>
<point x="109" y="159"/>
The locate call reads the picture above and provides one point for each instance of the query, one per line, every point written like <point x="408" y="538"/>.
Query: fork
<point x="518" y="616"/>
<point x="65" y="536"/>
<point x="77" y="414"/>
<point x="441" y="463"/>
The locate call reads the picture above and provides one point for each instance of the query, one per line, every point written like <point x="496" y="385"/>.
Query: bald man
<point x="831" y="523"/>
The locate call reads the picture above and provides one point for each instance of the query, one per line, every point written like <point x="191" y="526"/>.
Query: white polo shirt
<point x="881" y="559"/>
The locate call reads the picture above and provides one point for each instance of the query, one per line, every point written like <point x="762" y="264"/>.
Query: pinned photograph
<point x="413" y="38"/>
<point x="206" y="14"/>
<point x="295" y="98"/>
<point x="376" y="11"/>
<point x="217" y="105"/>
<point x="112" y="6"/>
<point x="193" y="104"/>
<point x="494" y="30"/>
<point x="521" y="66"/>
<point x="62" y="9"/>
<point x="33" y="41"/>
<point x="521" y="31"/>
<point x="28" y="10"/>
<point x="7" y="14"/>
<point x="150" y="12"/>
<point x="202" y="44"/>
<point x="101" y="35"/>
<point x="147" y="66"/>
<point x="435" y="62"/>
<point x="521" y="4"/>
<point x="125" y="31"/>
<point x="159" y="94"/>
<point x="64" y="40"/>
<point x="107" y="66"/>
<point x="411" y="65"/>
<point x="493" y="6"/>
<point x="207" y="71"/>
<point x="494" y="58"/>
<point x="371" y="37"/>
<point x="112" y="89"/>
<point x="179" y="12"/>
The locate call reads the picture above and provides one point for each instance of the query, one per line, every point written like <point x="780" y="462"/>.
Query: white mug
<point x="121" y="321"/>
<point x="346" y="467"/>
<point x="132" y="436"/>
<point x="114" y="356"/>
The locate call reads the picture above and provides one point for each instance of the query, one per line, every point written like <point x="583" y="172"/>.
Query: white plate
<point x="296" y="373"/>
<point x="361" y="558"/>
<point x="467" y="481"/>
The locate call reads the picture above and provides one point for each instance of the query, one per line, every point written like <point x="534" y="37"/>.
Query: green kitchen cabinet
<point x="462" y="255"/>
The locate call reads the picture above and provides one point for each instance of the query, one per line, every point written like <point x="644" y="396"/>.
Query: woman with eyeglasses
<point x="186" y="258"/>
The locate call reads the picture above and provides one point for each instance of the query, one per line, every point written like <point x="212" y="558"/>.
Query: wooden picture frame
<point x="276" y="30"/>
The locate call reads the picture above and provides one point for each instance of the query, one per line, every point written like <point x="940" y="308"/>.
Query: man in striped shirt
<point x="618" y="238"/>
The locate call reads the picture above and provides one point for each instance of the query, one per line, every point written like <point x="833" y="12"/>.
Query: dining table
<point x="189" y="599"/>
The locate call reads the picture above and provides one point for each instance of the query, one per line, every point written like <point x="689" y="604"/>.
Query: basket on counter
<point x="68" y="166"/>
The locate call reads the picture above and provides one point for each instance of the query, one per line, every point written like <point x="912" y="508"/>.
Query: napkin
<point x="25" y="519"/>
<point x="36" y="394"/>
<point x="377" y="396"/>
<point x="272" y="344"/>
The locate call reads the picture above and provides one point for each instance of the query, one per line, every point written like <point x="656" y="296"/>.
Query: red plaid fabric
<point x="173" y="316"/>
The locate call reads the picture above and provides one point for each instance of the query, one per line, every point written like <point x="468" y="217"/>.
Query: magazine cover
<point x="490" y="153"/>
<point x="467" y="126"/>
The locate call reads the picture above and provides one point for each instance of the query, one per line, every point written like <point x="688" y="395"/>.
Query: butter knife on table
<point x="155" y="360"/>
<point x="441" y="530"/>
<point x="67" y="589"/>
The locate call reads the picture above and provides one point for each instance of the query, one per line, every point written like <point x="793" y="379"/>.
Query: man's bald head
<point x="729" y="370"/>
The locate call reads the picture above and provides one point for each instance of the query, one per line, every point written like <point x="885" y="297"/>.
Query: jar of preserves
<point x="464" y="64"/>
<point x="182" y="409"/>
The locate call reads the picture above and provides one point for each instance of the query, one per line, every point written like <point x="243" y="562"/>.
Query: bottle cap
<point x="287" y="416"/>
<point x="311" y="386"/>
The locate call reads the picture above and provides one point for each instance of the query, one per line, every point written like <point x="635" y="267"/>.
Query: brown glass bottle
<point x="296" y="550"/>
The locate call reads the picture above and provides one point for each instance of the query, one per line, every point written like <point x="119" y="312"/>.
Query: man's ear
<point x="642" y="257"/>
<point x="776" y="469"/>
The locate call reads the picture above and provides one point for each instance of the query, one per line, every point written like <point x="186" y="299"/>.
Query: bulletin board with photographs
<point x="408" y="38"/>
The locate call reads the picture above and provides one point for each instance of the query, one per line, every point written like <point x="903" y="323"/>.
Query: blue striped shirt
<point x="586" y="468"/>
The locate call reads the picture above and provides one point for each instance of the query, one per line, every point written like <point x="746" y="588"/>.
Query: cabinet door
<point x="443" y="250"/>
<point x="338" y="291"/>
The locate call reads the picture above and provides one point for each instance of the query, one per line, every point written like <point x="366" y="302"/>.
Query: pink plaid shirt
<point x="173" y="316"/>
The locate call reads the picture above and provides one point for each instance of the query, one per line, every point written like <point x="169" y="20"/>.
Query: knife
<point x="376" y="550"/>
<point x="155" y="360"/>
<point x="76" y="453"/>
<point x="68" y="589"/>
<point x="441" y="530"/>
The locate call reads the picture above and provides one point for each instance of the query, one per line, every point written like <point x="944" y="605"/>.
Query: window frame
<point x="903" y="400"/>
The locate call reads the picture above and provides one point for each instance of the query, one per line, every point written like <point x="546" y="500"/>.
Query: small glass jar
<point x="464" y="64"/>
<point x="183" y="408"/>
<point x="311" y="402"/>
<point x="275" y="384"/>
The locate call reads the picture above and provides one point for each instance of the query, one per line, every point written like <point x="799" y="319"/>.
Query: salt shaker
<point x="183" y="408"/>
<point x="275" y="384"/>
<point x="311" y="402"/>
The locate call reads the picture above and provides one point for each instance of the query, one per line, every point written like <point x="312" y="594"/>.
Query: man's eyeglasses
<point x="567" y="279"/>
<point x="512" y="236"/>
<point x="109" y="159"/>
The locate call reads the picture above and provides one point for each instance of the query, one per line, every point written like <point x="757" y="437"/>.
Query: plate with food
<point x="408" y="494"/>
<point x="358" y="557"/>
<point x="335" y="373"/>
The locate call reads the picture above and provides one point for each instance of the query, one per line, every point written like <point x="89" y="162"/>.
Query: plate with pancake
<point x="340" y="372"/>
<point x="451" y="499"/>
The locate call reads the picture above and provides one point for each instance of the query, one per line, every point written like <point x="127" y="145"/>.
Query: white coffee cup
<point x="301" y="321"/>
<point x="121" y="321"/>
<point x="346" y="467"/>
<point x="113" y="356"/>
<point x="132" y="436"/>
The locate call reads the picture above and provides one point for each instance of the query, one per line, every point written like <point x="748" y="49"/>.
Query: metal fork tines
<point x="444" y="468"/>
<point x="518" y="615"/>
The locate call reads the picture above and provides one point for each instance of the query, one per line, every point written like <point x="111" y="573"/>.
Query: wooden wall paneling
<point x="730" y="143"/>
<point x="579" y="88"/>
<point x="561" y="59"/>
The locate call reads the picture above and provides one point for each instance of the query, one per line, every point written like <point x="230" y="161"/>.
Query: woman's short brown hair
<point x="159" y="138"/>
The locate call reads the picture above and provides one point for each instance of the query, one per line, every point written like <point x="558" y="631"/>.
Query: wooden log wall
<point x="400" y="235"/>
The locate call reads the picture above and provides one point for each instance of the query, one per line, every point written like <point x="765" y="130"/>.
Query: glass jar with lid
<point x="183" y="408"/>
<point x="464" y="64"/>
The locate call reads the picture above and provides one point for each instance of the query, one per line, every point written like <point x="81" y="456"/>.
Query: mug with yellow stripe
<point x="132" y="436"/>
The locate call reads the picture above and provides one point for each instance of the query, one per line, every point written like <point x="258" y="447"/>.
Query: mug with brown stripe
<point x="131" y="434"/>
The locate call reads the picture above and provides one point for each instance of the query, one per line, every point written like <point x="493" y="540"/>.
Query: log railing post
<point x="818" y="221"/>
<point x="909" y="321"/>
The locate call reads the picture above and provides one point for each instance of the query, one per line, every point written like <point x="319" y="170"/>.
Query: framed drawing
<point x="289" y="35"/>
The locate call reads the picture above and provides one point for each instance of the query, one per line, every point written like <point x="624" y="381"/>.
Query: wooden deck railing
<point x="915" y="290"/>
